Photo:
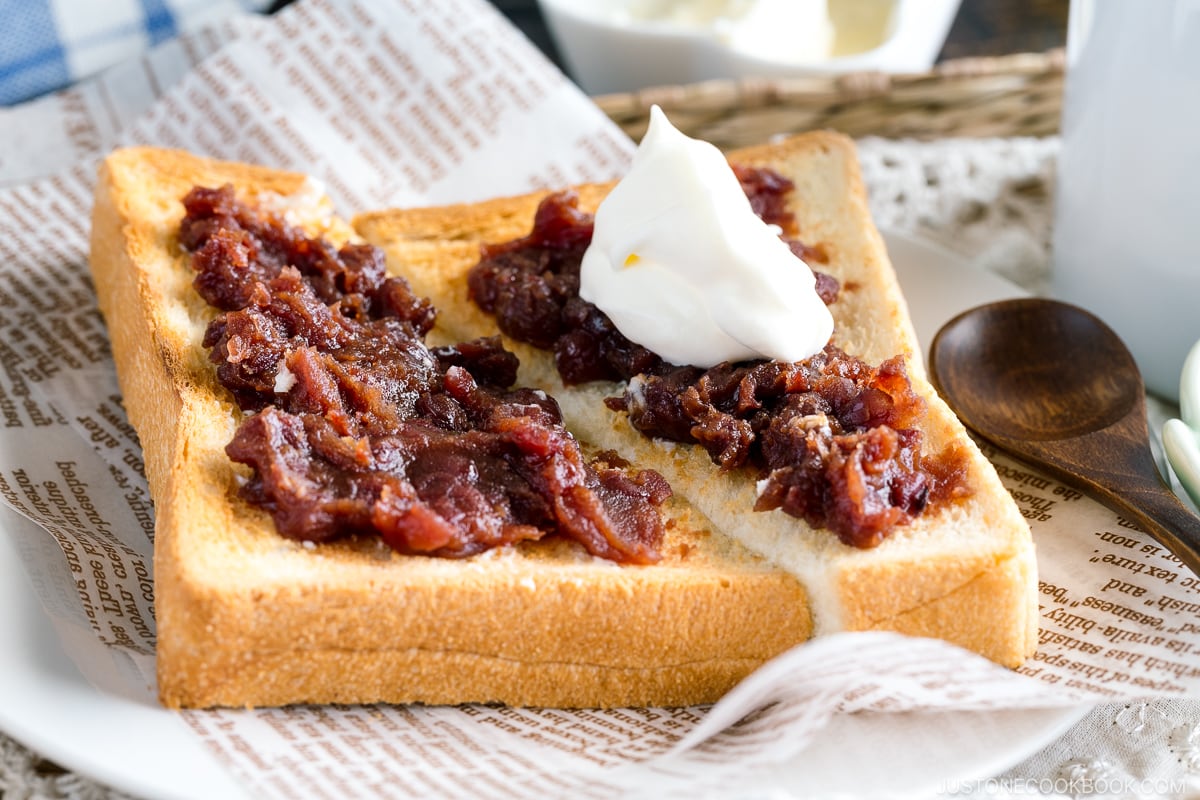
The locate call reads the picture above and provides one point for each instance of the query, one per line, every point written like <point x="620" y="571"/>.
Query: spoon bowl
<point x="1053" y="385"/>
<point x="1029" y="369"/>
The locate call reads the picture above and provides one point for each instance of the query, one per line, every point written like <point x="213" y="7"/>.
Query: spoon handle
<point x="1153" y="506"/>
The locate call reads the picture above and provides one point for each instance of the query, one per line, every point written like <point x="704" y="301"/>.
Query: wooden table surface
<point x="998" y="27"/>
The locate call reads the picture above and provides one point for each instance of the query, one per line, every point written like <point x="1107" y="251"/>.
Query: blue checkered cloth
<point x="48" y="44"/>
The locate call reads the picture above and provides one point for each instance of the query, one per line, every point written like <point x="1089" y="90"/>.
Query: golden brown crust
<point x="248" y="618"/>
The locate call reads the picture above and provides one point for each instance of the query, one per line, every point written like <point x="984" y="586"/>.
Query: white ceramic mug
<point x="1127" y="231"/>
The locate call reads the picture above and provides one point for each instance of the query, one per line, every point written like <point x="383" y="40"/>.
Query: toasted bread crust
<point x="248" y="618"/>
<point x="964" y="572"/>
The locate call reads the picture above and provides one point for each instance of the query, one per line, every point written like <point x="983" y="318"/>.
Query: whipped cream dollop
<point x="684" y="267"/>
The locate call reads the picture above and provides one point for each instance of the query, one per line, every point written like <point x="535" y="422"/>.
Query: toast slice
<point x="248" y="618"/>
<point x="964" y="571"/>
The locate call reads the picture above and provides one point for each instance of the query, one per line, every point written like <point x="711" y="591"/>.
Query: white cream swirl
<point x="683" y="266"/>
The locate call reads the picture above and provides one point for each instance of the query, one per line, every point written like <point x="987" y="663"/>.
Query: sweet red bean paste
<point x="832" y="438"/>
<point x="356" y="427"/>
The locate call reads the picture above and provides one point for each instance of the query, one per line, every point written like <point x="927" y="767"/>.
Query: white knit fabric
<point x="986" y="199"/>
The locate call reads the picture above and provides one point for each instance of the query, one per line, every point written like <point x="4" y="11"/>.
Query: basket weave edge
<point x="1012" y="95"/>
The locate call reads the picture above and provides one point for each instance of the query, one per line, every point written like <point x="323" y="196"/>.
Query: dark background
<point x="982" y="27"/>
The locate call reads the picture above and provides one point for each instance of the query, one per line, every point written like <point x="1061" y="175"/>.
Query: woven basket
<point x="1016" y="95"/>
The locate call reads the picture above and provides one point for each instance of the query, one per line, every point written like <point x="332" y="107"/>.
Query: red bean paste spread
<point x="355" y="426"/>
<point x="832" y="438"/>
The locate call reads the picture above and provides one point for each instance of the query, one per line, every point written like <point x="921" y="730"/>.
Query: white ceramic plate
<point x="145" y="750"/>
<point x="45" y="703"/>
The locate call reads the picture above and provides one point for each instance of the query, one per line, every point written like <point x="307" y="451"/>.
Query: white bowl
<point x="606" y="50"/>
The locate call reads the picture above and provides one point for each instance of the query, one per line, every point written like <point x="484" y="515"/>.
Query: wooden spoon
<point x="1053" y="385"/>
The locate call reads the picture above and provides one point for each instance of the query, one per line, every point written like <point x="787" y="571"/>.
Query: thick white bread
<point x="964" y="572"/>
<point x="246" y="617"/>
